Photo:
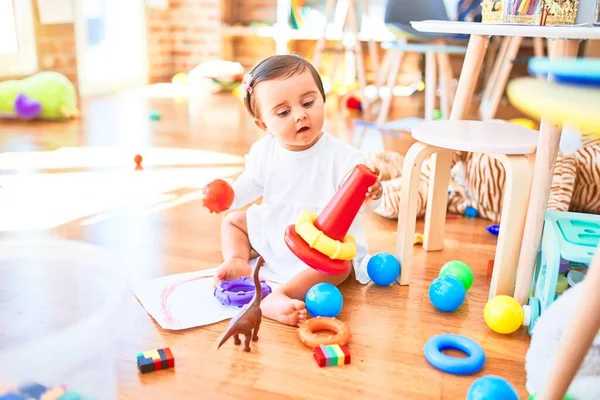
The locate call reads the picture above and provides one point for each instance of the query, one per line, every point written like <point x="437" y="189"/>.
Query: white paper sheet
<point x="187" y="300"/>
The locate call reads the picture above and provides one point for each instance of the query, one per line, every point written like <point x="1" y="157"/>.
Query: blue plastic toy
<point x="577" y="71"/>
<point x="569" y="242"/>
<point x="324" y="300"/>
<point x="383" y="268"/>
<point x="492" y="388"/>
<point x="471" y="364"/>
<point x="470" y="212"/>
<point x="493" y="229"/>
<point x="447" y="293"/>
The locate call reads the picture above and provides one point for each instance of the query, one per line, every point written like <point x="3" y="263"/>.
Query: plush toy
<point x="545" y="339"/>
<point x="45" y="95"/>
<point x="477" y="182"/>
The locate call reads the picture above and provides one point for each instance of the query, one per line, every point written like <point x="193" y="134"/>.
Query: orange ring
<point x="307" y="330"/>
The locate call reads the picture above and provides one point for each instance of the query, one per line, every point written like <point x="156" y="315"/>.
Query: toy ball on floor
<point x="503" y="314"/>
<point x="383" y="268"/>
<point x="447" y="293"/>
<point x="460" y="271"/>
<point x="217" y="196"/>
<point x="492" y="388"/>
<point x="324" y="300"/>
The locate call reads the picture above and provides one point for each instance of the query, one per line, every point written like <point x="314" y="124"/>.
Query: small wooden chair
<point x="513" y="145"/>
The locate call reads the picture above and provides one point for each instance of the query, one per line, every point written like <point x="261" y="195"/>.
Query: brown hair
<point x="278" y="67"/>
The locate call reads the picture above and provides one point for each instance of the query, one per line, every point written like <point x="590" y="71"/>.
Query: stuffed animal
<point x="546" y="336"/>
<point x="477" y="181"/>
<point x="45" y="95"/>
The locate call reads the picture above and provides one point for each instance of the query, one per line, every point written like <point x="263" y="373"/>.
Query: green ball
<point x="460" y="271"/>
<point x="533" y="396"/>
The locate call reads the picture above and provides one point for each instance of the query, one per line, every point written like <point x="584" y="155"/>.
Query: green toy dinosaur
<point x="45" y="95"/>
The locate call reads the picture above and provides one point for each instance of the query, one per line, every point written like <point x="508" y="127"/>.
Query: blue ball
<point x="324" y="300"/>
<point x="383" y="268"/>
<point x="447" y="293"/>
<point x="492" y="388"/>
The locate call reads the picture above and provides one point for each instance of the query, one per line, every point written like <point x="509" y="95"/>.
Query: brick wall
<point x="182" y="36"/>
<point x="55" y="47"/>
<point x="160" y="44"/>
<point x="196" y="36"/>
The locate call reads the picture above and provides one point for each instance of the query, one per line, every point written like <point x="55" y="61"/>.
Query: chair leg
<point x="430" y="84"/>
<point x="407" y="213"/>
<point x="519" y="173"/>
<point x="437" y="202"/>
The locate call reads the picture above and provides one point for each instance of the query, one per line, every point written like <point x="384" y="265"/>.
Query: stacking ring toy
<point x="316" y="239"/>
<point x="307" y="330"/>
<point x="239" y="292"/>
<point x="454" y="365"/>
<point x="333" y="249"/>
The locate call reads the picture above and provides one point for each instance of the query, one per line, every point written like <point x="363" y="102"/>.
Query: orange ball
<point x="217" y="196"/>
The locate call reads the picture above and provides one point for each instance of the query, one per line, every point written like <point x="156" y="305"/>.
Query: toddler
<point x="295" y="167"/>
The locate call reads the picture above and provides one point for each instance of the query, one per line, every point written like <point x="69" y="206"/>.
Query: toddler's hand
<point x="375" y="191"/>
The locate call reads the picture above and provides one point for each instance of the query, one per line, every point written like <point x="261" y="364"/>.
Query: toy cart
<point x="569" y="242"/>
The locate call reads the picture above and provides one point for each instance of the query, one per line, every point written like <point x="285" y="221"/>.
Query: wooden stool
<point x="513" y="145"/>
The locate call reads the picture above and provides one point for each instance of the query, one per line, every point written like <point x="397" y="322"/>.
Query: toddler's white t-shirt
<point x="290" y="182"/>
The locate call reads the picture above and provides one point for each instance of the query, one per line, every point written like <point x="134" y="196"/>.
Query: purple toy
<point x="239" y="292"/>
<point x="26" y="107"/>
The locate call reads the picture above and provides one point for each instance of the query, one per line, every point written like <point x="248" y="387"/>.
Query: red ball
<point x="353" y="103"/>
<point x="217" y="196"/>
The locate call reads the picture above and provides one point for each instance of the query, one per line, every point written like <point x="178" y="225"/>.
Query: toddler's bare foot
<point x="284" y="309"/>
<point x="232" y="268"/>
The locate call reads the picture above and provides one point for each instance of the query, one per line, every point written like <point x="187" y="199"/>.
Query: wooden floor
<point x="390" y="325"/>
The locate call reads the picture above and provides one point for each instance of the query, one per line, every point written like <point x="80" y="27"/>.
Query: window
<point x="9" y="43"/>
<point x="17" y="38"/>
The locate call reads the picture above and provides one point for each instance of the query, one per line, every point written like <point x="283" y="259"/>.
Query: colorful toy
<point x="332" y="225"/>
<point x="560" y="103"/>
<point x="46" y="95"/>
<point x="217" y="196"/>
<point x="138" y="161"/>
<point x="418" y="238"/>
<point x="492" y="388"/>
<point x="331" y="355"/>
<point x="307" y="332"/>
<point x="324" y="300"/>
<point x="460" y="271"/>
<point x="34" y="390"/>
<point x="239" y="292"/>
<point x="503" y="314"/>
<point x="383" y="268"/>
<point x="534" y="395"/>
<point x="447" y="293"/>
<point x="472" y="364"/>
<point x="247" y="322"/>
<point x="471" y="212"/>
<point x="493" y="229"/>
<point x="154" y="115"/>
<point x="154" y="360"/>
<point x="578" y="71"/>
<point x="569" y="242"/>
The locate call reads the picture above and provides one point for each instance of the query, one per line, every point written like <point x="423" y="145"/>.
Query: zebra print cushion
<point x="477" y="180"/>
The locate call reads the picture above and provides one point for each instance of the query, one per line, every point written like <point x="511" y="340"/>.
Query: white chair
<point x="513" y="145"/>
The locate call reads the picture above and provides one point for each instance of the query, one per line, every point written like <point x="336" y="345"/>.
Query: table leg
<point x="547" y="150"/>
<point x="435" y="215"/>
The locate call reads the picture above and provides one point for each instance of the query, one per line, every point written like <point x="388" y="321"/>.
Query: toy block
<point x="331" y="355"/>
<point x="154" y="360"/>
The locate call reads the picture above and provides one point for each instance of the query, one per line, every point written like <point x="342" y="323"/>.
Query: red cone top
<point x="335" y="220"/>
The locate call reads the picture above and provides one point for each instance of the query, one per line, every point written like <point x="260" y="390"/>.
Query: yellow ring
<point x="334" y="249"/>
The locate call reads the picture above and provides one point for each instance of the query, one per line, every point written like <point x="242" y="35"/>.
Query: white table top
<point x="478" y="28"/>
